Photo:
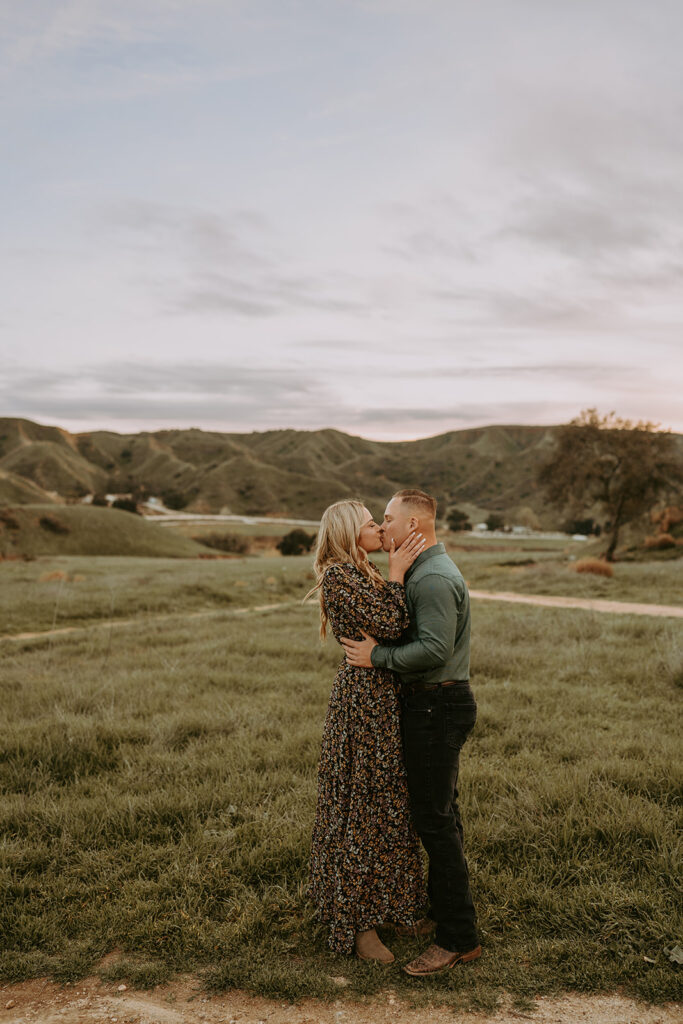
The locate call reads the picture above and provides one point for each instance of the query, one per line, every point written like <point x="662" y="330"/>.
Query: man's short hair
<point x="423" y="503"/>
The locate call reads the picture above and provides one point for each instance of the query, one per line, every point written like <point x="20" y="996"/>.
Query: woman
<point x="366" y="867"/>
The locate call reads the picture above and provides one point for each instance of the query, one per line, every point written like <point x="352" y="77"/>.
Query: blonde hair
<point x="337" y="543"/>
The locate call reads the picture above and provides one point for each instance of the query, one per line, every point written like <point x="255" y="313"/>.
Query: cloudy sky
<point x="393" y="217"/>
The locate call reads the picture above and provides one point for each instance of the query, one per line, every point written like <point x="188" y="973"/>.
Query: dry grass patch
<point x="595" y="566"/>
<point x="660" y="542"/>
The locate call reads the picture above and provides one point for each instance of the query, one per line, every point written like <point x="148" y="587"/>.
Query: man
<point x="439" y="712"/>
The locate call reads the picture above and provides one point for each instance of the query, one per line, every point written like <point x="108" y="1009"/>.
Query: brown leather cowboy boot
<point x="369" y="946"/>
<point x="437" y="959"/>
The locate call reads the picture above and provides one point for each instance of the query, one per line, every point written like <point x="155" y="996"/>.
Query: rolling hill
<point x="277" y="472"/>
<point x="37" y="530"/>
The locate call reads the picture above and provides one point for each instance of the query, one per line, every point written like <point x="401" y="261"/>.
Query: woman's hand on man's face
<point x="402" y="558"/>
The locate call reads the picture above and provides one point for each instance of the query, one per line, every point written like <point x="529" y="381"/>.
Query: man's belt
<point x="413" y="688"/>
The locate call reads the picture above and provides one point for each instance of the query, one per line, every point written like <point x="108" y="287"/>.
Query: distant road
<point x="164" y="517"/>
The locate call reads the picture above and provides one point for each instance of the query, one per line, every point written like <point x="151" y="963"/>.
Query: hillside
<point x="84" y="530"/>
<point x="281" y="472"/>
<point x="20" y="491"/>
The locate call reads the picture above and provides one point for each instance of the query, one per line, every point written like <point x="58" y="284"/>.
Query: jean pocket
<point x="459" y="722"/>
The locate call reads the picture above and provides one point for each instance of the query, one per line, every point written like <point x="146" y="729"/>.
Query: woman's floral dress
<point x="366" y="865"/>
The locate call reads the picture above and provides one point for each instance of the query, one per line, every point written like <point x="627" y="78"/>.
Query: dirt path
<point x="590" y="604"/>
<point x="184" y="1002"/>
<point x="118" y="623"/>
<point x="613" y="607"/>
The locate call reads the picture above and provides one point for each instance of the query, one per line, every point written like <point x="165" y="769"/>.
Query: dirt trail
<point x="184" y="1002"/>
<point x="613" y="607"/>
<point x="590" y="604"/>
<point x="118" y="623"/>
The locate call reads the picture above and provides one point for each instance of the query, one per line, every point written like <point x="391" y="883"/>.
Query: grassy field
<point x="44" y="530"/>
<point x="527" y="570"/>
<point x="159" y="784"/>
<point x="75" y="590"/>
<point x="56" y="592"/>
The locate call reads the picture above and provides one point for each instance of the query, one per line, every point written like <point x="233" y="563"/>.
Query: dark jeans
<point x="435" y="727"/>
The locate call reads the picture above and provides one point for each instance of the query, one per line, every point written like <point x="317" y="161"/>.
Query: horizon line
<point x="310" y="430"/>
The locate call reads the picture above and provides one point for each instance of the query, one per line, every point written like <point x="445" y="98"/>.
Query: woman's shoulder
<point x="348" y="574"/>
<point x="340" y="569"/>
<point x="344" y="572"/>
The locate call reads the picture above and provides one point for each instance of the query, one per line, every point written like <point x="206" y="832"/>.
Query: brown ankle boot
<point x="369" y="946"/>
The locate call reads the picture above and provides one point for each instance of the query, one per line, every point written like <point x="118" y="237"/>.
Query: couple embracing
<point x="400" y="710"/>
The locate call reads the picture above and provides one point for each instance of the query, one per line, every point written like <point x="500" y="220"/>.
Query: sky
<point x="391" y="217"/>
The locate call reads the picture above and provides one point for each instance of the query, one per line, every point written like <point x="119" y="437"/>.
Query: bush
<point x="230" y="542"/>
<point x="667" y="517"/>
<point x="660" y="542"/>
<point x="596" y="566"/>
<point x="126" y="505"/>
<point x="53" y="525"/>
<point x="100" y="501"/>
<point x="495" y="521"/>
<point x="174" y="500"/>
<point x="296" y="542"/>
<point x="8" y="520"/>
<point x="588" y="527"/>
<point x="458" y="520"/>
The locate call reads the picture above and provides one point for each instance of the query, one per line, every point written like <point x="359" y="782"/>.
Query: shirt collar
<point x="432" y="552"/>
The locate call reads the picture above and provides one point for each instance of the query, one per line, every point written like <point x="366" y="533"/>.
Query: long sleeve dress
<point x="366" y="865"/>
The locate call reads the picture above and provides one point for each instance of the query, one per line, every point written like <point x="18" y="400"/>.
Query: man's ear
<point x="414" y="522"/>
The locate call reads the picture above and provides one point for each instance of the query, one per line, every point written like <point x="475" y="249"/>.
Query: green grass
<point x="652" y="582"/>
<point x="99" y="589"/>
<point x="159" y="789"/>
<point x="86" y="530"/>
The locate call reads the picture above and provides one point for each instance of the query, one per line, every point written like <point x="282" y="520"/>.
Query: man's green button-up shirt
<point x="436" y="645"/>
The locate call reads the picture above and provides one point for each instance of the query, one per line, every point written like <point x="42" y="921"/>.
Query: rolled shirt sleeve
<point x="436" y="620"/>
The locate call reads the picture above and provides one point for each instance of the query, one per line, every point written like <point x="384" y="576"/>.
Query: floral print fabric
<point x="366" y="866"/>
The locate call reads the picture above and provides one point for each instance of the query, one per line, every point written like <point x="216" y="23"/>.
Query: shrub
<point x="230" y="542"/>
<point x="667" y="517"/>
<point x="126" y="505"/>
<point x="100" y="501"/>
<point x="495" y="521"/>
<point x="8" y="520"/>
<point x="596" y="566"/>
<point x="174" y="500"/>
<point x="53" y="525"/>
<point x="660" y="542"/>
<point x="296" y="542"/>
<point x="587" y="527"/>
<point x="458" y="520"/>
